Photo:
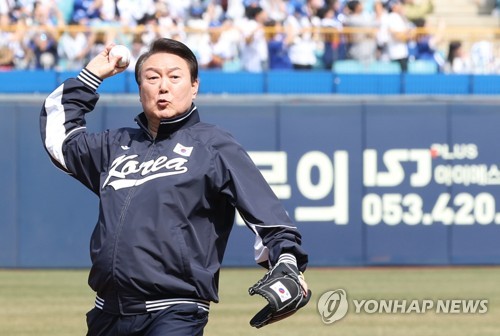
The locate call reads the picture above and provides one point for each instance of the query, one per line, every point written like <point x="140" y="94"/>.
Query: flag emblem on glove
<point x="281" y="290"/>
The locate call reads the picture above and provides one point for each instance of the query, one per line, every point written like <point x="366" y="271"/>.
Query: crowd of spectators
<point x="235" y="35"/>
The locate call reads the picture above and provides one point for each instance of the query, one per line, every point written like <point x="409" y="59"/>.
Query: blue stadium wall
<point x="279" y="82"/>
<point x="369" y="180"/>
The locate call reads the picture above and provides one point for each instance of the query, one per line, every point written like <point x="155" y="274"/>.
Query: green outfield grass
<point x="54" y="302"/>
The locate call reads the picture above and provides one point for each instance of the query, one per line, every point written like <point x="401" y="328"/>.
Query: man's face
<point x="166" y="89"/>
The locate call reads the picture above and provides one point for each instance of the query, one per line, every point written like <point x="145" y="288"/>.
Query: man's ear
<point x="194" y="88"/>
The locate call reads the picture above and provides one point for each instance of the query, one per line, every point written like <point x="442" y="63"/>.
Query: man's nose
<point x="164" y="85"/>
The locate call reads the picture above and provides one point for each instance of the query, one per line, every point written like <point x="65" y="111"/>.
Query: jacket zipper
<point x="122" y="219"/>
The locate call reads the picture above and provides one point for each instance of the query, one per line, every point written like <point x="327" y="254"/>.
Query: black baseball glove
<point x="282" y="289"/>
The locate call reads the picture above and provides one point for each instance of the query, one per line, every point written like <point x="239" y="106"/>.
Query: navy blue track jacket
<point x="167" y="204"/>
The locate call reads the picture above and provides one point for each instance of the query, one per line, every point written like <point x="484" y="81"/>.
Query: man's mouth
<point x="162" y="102"/>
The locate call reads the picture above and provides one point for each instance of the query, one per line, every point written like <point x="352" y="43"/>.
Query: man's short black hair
<point x="169" y="46"/>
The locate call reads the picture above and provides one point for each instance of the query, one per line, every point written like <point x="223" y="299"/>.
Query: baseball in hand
<point x="121" y="50"/>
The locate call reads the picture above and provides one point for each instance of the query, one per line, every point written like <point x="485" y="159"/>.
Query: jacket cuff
<point x="89" y="79"/>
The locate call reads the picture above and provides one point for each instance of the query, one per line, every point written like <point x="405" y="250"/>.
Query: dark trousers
<point x="403" y="63"/>
<point x="302" y="67"/>
<point x="178" y="320"/>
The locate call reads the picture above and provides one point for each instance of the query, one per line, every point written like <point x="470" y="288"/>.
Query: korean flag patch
<point x="281" y="290"/>
<point x="183" y="150"/>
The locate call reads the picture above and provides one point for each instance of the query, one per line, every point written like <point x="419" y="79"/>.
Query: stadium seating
<point x="357" y="67"/>
<point x="422" y="67"/>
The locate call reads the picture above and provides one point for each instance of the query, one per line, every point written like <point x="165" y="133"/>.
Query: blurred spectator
<point x="36" y="37"/>
<point x="5" y="9"/>
<point x="109" y="12"/>
<point x="220" y="47"/>
<point x="399" y="29"/>
<point x="97" y="41"/>
<point x="18" y="51"/>
<point x="483" y="59"/>
<point x="276" y="9"/>
<point x="216" y="9"/>
<point x="66" y="9"/>
<point x="131" y="12"/>
<point x="425" y="44"/>
<point x="496" y="10"/>
<point x="382" y="35"/>
<point x="137" y="48"/>
<point x="87" y="12"/>
<point x="252" y="3"/>
<point x="197" y="25"/>
<point x="369" y="7"/>
<point x="151" y="29"/>
<point x="278" y="43"/>
<point x="111" y="21"/>
<point x="363" y="45"/>
<point x="312" y="8"/>
<point x="7" y="56"/>
<point x="21" y="9"/>
<point x="232" y="36"/>
<point x="12" y="49"/>
<point x="44" y="52"/>
<point x="254" y="53"/>
<point x="233" y="9"/>
<point x="334" y="45"/>
<point x="47" y="15"/>
<point x="303" y="49"/>
<point x="73" y="48"/>
<point x="214" y="12"/>
<point x="183" y="9"/>
<point x="169" y="25"/>
<point x="458" y="61"/>
<point x="418" y="9"/>
<point x="42" y="34"/>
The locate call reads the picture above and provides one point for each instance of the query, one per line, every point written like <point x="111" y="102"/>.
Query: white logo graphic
<point x="440" y="306"/>
<point x="124" y="165"/>
<point x="332" y="306"/>
<point x="183" y="150"/>
<point x="281" y="290"/>
<point x="125" y="147"/>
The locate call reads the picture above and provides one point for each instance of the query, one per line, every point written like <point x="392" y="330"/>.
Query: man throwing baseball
<point x="168" y="193"/>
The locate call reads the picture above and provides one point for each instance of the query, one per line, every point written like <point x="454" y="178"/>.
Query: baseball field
<point x="54" y="302"/>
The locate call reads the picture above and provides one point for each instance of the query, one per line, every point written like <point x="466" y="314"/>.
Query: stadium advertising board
<point x="368" y="183"/>
<point x="385" y="184"/>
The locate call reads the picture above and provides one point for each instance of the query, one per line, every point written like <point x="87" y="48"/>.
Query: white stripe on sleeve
<point x="55" y="132"/>
<point x="89" y="79"/>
